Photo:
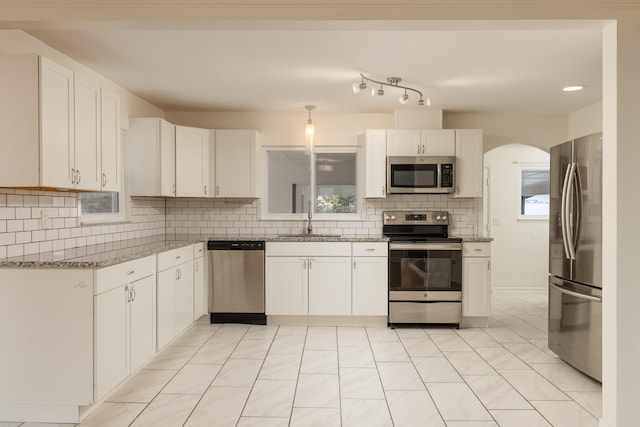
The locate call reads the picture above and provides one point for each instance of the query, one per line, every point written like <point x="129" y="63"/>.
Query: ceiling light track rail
<point x="391" y="82"/>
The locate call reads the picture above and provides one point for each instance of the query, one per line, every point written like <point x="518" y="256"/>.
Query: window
<point x="326" y="181"/>
<point x="104" y="207"/>
<point x="534" y="193"/>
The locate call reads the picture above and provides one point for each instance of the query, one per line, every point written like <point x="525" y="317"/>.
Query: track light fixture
<point x="392" y="82"/>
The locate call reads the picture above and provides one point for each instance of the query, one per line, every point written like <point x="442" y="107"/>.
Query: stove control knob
<point x="386" y="217"/>
<point x="444" y="218"/>
<point x="438" y="218"/>
<point x="393" y="217"/>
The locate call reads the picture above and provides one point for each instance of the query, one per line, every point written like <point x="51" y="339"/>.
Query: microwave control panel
<point x="446" y="177"/>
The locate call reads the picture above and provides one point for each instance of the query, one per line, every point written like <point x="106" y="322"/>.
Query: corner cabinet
<point x="192" y="162"/>
<point x="151" y="157"/>
<point x="468" y="163"/>
<point x="236" y="172"/>
<point x="125" y="321"/>
<point x="374" y="143"/>
<point x="476" y="279"/>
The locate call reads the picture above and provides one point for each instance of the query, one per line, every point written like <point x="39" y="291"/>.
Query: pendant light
<point x="309" y="132"/>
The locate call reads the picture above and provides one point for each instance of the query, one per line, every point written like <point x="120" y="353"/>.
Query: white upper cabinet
<point x="468" y="163"/>
<point x="236" y="173"/>
<point x="375" y="152"/>
<point x="192" y="162"/>
<point x="437" y="142"/>
<point x="87" y="167"/>
<point x="110" y="141"/>
<point x="403" y="142"/>
<point x="151" y="157"/>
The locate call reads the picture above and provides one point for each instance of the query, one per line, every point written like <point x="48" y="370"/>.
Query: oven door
<point x="425" y="271"/>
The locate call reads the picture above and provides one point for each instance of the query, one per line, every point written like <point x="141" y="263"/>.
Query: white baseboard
<point x="372" y="321"/>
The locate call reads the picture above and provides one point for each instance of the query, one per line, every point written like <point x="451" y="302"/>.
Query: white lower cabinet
<point x="124" y="307"/>
<point x="324" y="279"/>
<point x="199" y="281"/>
<point x="330" y="286"/>
<point x="476" y="279"/>
<point x="175" y="293"/>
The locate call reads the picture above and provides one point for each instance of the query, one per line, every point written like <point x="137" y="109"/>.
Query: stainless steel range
<point x="425" y="268"/>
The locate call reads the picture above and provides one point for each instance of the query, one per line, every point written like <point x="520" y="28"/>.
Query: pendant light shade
<point x="309" y="132"/>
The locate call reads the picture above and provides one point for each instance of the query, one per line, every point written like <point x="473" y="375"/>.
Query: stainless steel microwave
<point x="408" y="174"/>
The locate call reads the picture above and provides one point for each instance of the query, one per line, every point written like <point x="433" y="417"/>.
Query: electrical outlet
<point x="45" y="221"/>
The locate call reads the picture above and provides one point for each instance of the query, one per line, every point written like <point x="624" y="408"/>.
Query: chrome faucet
<point x="309" y="215"/>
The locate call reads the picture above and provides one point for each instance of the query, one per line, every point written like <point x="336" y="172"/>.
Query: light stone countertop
<point x="107" y="254"/>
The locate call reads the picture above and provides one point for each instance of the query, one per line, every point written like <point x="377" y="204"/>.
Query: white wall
<point x="585" y="121"/>
<point x="542" y="131"/>
<point x="520" y="248"/>
<point x="19" y="42"/>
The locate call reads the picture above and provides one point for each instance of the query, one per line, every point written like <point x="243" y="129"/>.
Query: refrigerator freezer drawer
<point x="575" y="325"/>
<point x="425" y="312"/>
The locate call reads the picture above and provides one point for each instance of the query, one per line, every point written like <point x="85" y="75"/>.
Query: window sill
<point x="98" y="220"/>
<point x="533" y="218"/>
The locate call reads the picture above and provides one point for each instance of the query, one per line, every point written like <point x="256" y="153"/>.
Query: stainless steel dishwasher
<point x="236" y="282"/>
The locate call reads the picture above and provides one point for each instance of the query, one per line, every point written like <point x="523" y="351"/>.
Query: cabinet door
<point x="370" y="294"/>
<point x="167" y="315"/>
<point x="476" y="287"/>
<point x="438" y="142"/>
<point x="56" y="125"/>
<point x="110" y="141"/>
<point x="198" y="288"/>
<point x="376" y="162"/>
<point x="403" y="142"/>
<point x="286" y="286"/>
<point x="468" y="163"/>
<point x="184" y="296"/>
<point x="111" y="339"/>
<point x="330" y="286"/>
<point x="143" y="321"/>
<point x="87" y="134"/>
<point x="235" y="163"/>
<point x="167" y="158"/>
<point x="192" y="161"/>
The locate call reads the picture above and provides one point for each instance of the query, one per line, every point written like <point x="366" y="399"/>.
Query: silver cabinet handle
<point x="354" y="264"/>
<point x="304" y="264"/>
<point x="423" y="149"/>
<point x="79" y="176"/>
<point x="310" y="263"/>
<point x="197" y="266"/>
<point x="174" y="189"/>
<point x="133" y="298"/>
<point x="217" y="190"/>
<point x="126" y="289"/>
<point x="130" y="272"/>
<point x="73" y="176"/>
<point x="104" y="180"/>
<point x="205" y="190"/>
<point x="370" y="249"/>
<point x="383" y="190"/>
<point x="178" y="257"/>
<point x="477" y="250"/>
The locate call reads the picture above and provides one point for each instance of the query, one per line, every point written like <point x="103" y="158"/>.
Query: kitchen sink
<point x="308" y="235"/>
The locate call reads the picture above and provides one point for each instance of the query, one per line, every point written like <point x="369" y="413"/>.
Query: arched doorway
<point x="514" y="216"/>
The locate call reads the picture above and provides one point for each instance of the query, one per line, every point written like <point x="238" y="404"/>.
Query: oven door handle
<point x="425" y="246"/>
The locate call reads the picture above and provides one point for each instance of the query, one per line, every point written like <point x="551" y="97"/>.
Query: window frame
<point x="530" y="167"/>
<point x="123" y="214"/>
<point x="357" y="216"/>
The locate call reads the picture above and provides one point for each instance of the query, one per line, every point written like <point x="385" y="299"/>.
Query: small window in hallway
<point x="534" y="192"/>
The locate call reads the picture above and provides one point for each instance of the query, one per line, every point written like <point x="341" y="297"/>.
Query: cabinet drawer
<point x="476" y="249"/>
<point x="117" y="275"/>
<point x="301" y="249"/>
<point x="370" y="249"/>
<point x="174" y="257"/>
<point x="198" y="250"/>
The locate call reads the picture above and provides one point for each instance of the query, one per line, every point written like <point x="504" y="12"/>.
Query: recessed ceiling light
<point x="573" y="88"/>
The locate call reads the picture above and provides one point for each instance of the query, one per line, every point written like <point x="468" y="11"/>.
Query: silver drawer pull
<point x="369" y="249"/>
<point x="130" y="272"/>
<point x="178" y="257"/>
<point x="477" y="250"/>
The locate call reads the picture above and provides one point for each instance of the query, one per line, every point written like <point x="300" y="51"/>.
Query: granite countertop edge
<point x="112" y="253"/>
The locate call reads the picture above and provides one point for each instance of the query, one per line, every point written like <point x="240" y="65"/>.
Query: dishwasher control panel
<point x="231" y="245"/>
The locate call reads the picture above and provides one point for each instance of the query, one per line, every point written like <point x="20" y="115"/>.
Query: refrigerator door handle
<point x="570" y="209"/>
<point x="575" y="294"/>
<point x="563" y="212"/>
<point x="577" y="227"/>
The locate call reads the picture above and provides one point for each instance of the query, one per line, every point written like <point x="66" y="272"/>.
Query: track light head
<point x="404" y="98"/>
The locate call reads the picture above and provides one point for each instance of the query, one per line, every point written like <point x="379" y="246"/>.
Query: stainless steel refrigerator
<point x="575" y="254"/>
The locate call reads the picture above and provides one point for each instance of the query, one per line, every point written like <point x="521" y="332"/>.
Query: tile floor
<point x="238" y="375"/>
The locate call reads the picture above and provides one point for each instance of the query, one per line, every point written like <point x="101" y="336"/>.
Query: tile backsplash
<point x="233" y="217"/>
<point x="21" y="231"/>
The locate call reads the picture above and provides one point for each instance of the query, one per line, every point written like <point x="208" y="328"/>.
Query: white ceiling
<point x="517" y="68"/>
